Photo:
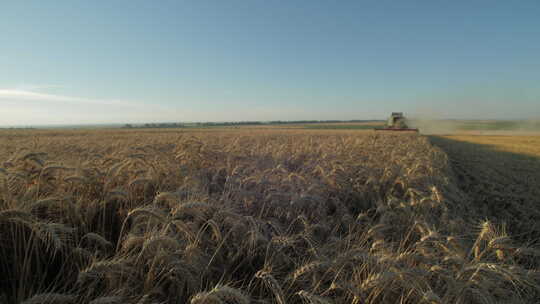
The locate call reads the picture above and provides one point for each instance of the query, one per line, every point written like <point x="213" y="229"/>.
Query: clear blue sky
<point x="146" y="61"/>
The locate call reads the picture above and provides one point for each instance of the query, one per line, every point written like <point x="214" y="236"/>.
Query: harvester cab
<point x="396" y="122"/>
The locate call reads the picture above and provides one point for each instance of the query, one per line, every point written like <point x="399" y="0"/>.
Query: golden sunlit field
<point x="267" y="216"/>
<point x="521" y="144"/>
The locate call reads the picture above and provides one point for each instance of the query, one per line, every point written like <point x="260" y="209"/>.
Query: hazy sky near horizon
<point x="77" y="62"/>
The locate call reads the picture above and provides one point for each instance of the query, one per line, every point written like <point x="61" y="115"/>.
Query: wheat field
<point x="247" y="216"/>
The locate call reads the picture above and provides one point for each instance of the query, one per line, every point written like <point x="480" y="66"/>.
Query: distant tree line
<point x="228" y="123"/>
<point x="277" y="122"/>
<point x="235" y="123"/>
<point x="156" y="125"/>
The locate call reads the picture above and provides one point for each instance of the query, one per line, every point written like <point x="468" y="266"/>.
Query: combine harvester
<point x="396" y="122"/>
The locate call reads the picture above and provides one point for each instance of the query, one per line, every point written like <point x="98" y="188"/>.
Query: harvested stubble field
<point x="501" y="174"/>
<point x="248" y="216"/>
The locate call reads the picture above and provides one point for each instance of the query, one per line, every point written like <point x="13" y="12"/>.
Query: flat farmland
<point x="259" y="216"/>
<point x="501" y="173"/>
<point x="519" y="143"/>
